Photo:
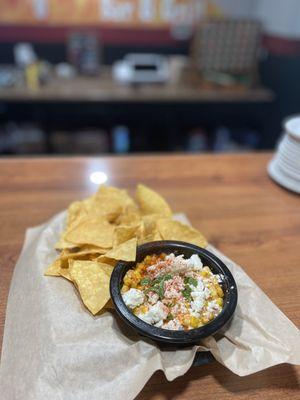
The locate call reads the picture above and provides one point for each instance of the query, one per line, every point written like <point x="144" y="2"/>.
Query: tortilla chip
<point x="92" y="283"/>
<point x="109" y="305"/>
<point x="125" y="251"/>
<point x="174" y="230"/>
<point x="54" y="268"/>
<point x="150" y="223"/>
<point x="65" y="273"/>
<point x="77" y="211"/>
<point x="106" y="260"/>
<point x="123" y="233"/>
<point x="153" y="237"/>
<point x="151" y="202"/>
<point x="114" y="192"/>
<point x="113" y="195"/>
<point x="108" y="208"/>
<point x="58" y="268"/>
<point x="94" y="231"/>
<point x="108" y="269"/>
<point x="129" y="218"/>
<point x="63" y="244"/>
<point x="94" y="206"/>
<point x="82" y="251"/>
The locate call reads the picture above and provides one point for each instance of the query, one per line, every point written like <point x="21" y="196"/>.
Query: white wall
<point x="280" y="17"/>
<point x="238" y="8"/>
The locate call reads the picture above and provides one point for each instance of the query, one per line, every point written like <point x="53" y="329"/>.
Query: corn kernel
<point x="220" y="291"/>
<point x="124" y="289"/>
<point x="220" y="301"/>
<point x="194" y="322"/>
<point x="140" y="310"/>
<point x="127" y="281"/>
<point x="206" y="272"/>
<point x="144" y="309"/>
<point x="129" y="274"/>
<point x="186" y="320"/>
<point x="140" y="268"/>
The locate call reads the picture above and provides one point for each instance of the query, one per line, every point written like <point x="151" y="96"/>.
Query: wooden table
<point x="229" y="197"/>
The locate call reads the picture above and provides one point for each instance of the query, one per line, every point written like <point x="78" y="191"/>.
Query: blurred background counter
<point x="89" y="76"/>
<point x="148" y="117"/>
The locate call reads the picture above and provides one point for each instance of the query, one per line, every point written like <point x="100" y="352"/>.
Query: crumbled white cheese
<point x="195" y="314"/>
<point x="213" y="307"/>
<point x="133" y="298"/>
<point x="220" y="278"/>
<point x="195" y="263"/>
<point x="197" y="304"/>
<point x="156" y="313"/>
<point x="177" y="264"/>
<point x="199" y="294"/>
<point x="200" y="290"/>
<point x="173" y="325"/>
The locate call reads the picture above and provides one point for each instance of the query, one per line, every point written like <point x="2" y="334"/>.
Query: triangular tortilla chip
<point x="65" y="273"/>
<point x="153" y="237"/>
<point x="92" y="282"/>
<point x="58" y="268"/>
<point x="54" y="268"/>
<point x="87" y="250"/>
<point x="63" y="244"/>
<point x="93" y="231"/>
<point x="151" y="202"/>
<point x="125" y="251"/>
<point x="109" y="261"/>
<point x="113" y="195"/>
<point x="124" y="233"/>
<point x="108" y="269"/>
<point x="174" y="230"/>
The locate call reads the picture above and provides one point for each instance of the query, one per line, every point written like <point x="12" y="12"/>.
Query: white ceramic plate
<point x="291" y="143"/>
<point x="293" y="162"/>
<point x="281" y="178"/>
<point x="292" y="172"/>
<point x="289" y="151"/>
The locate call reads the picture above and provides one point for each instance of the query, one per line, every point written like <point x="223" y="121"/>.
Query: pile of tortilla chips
<point x="107" y="227"/>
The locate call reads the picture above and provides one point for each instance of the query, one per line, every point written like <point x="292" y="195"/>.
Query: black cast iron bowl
<point x="164" y="335"/>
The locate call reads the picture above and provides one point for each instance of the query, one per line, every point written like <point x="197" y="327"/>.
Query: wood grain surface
<point x="228" y="197"/>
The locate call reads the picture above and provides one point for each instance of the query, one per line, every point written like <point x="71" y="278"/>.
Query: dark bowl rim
<point x="164" y="335"/>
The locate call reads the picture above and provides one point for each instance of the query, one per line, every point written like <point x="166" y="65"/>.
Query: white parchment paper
<point x="54" y="349"/>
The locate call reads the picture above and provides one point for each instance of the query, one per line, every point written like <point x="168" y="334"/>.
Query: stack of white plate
<point x="285" y="166"/>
